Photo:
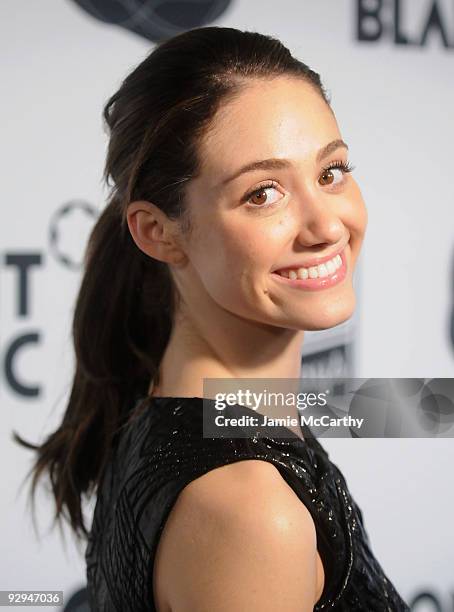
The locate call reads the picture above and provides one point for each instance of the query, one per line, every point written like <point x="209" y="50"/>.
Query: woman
<point x="233" y="225"/>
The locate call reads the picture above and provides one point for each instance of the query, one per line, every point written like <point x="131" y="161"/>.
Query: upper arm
<point x="238" y="538"/>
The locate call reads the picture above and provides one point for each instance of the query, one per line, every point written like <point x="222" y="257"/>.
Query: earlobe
<point x="149" y="230"/>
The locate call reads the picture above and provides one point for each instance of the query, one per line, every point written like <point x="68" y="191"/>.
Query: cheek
<point x="251" y="247"/>
<point x="235" y="257"/>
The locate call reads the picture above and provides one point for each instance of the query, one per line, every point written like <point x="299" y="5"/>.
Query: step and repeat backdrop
<point x="389" y="68"/>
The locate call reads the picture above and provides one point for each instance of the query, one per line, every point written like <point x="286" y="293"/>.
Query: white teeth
<point x="313" y="272"/>
<point x="324" y="269"/>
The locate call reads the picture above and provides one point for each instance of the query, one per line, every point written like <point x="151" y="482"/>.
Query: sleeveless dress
<point x="162" y="450"/>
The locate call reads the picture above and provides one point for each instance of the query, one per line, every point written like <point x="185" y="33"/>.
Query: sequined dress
<point x="163" y="449"/>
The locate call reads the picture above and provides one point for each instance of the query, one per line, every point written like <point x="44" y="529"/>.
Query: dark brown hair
<point x="124" y="309"/>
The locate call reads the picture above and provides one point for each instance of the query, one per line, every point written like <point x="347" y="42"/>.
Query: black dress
<point x="163" y="449"/>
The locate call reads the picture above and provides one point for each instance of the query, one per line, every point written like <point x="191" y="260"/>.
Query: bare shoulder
<point x="237" y="537"/>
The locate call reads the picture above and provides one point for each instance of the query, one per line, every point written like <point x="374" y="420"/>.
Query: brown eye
<point x="340" y="166"/>
<point x="262" y="196"/>
<point x="328" y="177"/>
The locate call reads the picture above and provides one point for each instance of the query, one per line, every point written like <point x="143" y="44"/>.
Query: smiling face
<point x="286" y="215"/>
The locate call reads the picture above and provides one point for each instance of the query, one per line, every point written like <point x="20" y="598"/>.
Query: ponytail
<point x="118" y="345"/>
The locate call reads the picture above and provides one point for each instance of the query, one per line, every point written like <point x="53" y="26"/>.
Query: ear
<point x="153" y="232"/>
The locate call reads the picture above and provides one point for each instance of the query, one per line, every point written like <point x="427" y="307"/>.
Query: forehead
<point x="281" y="117"/>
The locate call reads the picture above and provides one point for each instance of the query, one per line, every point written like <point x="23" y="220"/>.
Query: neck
<point x="227" y="347"/>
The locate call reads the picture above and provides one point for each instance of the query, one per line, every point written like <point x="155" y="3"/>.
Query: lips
<point x="315" y="261"/>
<point x="306" y="279"/>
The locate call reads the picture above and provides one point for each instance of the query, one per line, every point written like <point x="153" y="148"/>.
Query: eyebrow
<point x="276" y="163"/>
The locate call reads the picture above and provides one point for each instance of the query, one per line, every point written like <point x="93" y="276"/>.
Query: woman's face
<point x="281" y="215"/>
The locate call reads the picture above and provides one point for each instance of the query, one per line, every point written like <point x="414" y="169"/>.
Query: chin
<point x="320" y="325"/>
<point x="325" y="316"/>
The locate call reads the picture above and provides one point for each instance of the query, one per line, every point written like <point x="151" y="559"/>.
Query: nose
<point x="319" y="222"/>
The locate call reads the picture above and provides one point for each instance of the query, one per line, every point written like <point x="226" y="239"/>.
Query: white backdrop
<point x="394" y="106"/>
